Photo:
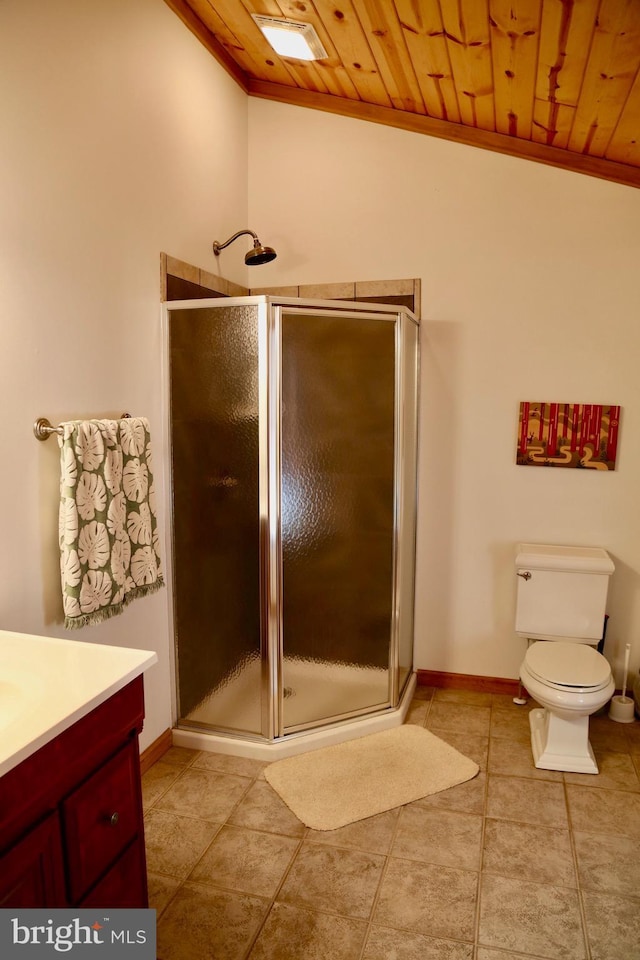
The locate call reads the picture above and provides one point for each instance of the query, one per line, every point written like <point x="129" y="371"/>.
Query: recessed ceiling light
<point x="289" y="38"/>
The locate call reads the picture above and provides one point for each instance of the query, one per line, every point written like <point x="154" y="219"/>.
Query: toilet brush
<point x="627" y="654"/>
<point x="622" y="707"/>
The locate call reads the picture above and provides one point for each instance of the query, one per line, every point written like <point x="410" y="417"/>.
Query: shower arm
<point x="217" y="247"/>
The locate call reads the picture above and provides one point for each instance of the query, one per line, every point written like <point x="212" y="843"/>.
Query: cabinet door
<point x="32" y="872"/>
<point x="101" y="818"/>
<point x="125" y="884"/>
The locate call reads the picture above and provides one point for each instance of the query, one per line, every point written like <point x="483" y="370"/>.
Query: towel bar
<point x="43" y="428"/>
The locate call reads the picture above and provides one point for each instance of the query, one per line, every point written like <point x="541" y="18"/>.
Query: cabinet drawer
<point x="100" y="818"/>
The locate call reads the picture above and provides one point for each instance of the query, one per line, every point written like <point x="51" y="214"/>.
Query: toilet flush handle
<point x="526" y="575"/>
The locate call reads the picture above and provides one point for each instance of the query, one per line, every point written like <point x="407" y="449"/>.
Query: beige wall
<point x="530" y="291"/>
<point x="121" y="137"/>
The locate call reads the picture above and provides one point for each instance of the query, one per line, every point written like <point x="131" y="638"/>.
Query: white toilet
<point x="562" y="594"/>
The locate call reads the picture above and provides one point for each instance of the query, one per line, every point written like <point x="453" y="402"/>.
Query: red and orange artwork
<point x="568" y="435"/>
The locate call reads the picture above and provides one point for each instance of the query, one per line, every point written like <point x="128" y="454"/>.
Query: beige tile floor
<point x="517" y="863"/>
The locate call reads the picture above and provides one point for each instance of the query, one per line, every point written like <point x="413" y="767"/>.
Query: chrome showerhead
<point x="258" y="255"/>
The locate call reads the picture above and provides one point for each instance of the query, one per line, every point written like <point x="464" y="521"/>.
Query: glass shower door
<point x="293" y="453"/>
<point x="337" y="448"/>
<point x="215" y="443"/>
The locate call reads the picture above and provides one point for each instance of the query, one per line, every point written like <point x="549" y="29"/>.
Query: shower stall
<point x="292" y="427"/>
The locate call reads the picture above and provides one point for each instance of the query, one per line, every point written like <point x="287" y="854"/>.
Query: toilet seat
<point x="569" y="667"/>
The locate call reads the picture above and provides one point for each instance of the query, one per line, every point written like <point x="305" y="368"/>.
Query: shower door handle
<point x="225" y="481"/>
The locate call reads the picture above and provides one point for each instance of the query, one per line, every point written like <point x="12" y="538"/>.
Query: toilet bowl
<point x="570" y="681"/>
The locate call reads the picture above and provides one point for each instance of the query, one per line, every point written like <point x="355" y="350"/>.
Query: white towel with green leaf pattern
<point x="109" y="551"/>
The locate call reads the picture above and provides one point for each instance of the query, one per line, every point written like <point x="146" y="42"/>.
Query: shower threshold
<point x="312" y="691"/>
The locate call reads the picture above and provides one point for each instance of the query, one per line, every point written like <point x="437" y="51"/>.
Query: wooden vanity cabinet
<point x="71" y="825"/>
<point x="32" y="872"/>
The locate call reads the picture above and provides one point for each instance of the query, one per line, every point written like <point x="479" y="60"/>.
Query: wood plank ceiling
<point x="556" y="81"/>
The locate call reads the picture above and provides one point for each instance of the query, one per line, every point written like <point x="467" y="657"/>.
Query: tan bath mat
<point x="336" y="785"/>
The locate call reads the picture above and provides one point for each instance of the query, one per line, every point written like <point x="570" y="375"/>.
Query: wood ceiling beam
<point x="459" y="133"/>
<point x="208" y="40"/>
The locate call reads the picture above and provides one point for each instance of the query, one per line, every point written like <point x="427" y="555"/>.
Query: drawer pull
<point x="113" y="819"/>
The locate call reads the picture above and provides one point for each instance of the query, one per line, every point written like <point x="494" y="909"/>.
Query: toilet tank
<point x="562" y="592"/>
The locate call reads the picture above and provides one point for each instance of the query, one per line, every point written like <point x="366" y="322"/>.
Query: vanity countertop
<point x="47" y="684"/>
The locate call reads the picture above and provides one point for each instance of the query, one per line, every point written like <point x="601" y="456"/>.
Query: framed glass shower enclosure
<point x="293" y="443"/>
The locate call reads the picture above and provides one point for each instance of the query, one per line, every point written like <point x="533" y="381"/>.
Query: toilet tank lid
<point x="543" y="556"/>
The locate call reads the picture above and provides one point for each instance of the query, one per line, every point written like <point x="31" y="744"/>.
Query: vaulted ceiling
<point x="555" y="81"/>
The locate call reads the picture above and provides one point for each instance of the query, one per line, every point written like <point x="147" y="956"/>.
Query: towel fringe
<point x="105" y="613"/>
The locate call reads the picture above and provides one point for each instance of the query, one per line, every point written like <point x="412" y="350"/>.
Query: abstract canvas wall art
<point x="583" y="435"/>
